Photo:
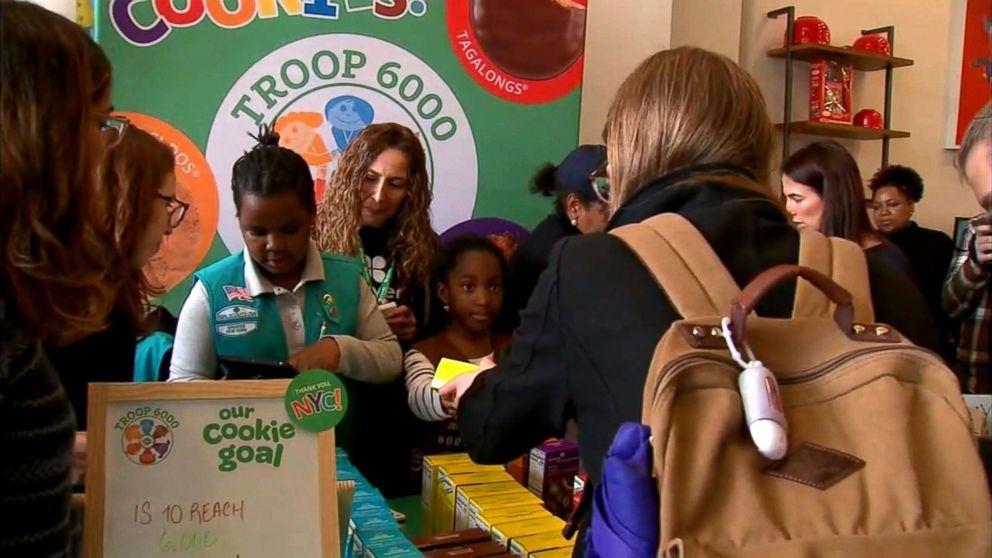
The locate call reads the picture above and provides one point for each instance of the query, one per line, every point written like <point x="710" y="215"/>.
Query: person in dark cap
<point x="579" y="209"/>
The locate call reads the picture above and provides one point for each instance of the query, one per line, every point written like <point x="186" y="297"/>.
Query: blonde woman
<point x="688" y="133"/>
<point x="377" y="207"/>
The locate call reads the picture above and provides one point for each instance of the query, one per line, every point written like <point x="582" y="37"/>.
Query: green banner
<point x="491" y="87"/>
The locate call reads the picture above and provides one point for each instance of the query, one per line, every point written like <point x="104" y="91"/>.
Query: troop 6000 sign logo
<point x="321" y="92"/>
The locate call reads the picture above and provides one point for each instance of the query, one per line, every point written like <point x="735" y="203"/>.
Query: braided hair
<point x="270" y="170"/>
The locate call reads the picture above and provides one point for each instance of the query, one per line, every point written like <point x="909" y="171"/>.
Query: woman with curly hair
<point x="58" y="279"/>
<point x="377" y="207"/>
<point x="895" y="192"/>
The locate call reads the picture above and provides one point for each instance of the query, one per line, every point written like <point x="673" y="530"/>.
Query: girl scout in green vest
<point x="280" y="299"/>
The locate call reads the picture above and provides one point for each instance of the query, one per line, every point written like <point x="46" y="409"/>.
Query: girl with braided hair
<point x="281" y="299"/>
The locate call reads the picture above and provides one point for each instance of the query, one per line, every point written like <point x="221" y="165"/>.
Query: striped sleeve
<point x="424" y="401"/>
<point x="36" y="441"/>
<point x="965" y="281"/>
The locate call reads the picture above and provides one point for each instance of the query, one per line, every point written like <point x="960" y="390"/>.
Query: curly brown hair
<point x="130" y="176"/>
<point x="55" y="269"/>
<point x="339" y="215"/>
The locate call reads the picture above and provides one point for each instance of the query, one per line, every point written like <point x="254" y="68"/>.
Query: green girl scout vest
<point x="251" y="327"/>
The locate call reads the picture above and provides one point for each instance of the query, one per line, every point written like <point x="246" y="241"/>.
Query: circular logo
<point x="524" y="51"/>
<point x="183" y="250"/>
<point x="321" y="91"/>
<point x="316" y="400"/>
<point x="147" y="441"/>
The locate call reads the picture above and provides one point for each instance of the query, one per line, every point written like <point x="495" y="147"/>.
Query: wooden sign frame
<point x="102" y="394"/>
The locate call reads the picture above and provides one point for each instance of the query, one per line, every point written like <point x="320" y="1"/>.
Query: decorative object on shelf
<point x="809" y="30"/>
<point x="969" y="71"/>
<point x="873" y="43"/>
<point x="820" y="124"/>
<point x="869" y="118"/>
<point x="831" y="85"/>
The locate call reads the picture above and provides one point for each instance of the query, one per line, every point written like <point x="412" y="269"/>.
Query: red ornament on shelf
<point x="873" y="43"/>
<point x="808" y="30"/>
<point x="869" y="118"/>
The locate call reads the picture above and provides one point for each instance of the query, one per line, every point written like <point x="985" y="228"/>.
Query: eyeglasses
<point x="600" y="184"/>
<point x="113" y="128"/>
<point x="177" y="209"/>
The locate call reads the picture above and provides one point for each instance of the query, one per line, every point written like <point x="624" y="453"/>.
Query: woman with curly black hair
<point x="895" y="192"/>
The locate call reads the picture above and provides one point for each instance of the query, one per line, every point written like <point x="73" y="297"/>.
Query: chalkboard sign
<point x="206" y="469"/>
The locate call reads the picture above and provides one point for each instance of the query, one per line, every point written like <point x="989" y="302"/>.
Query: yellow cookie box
<point x="504" y="533"/>
<point x="476" y="492"/>
<point x="433" y="466"/>
<point x="531" y="544"/>
<point x="490" y="504"/>
<point x="556" y="553"/>
<point x="506" y="515"/>
<point x="447" y="486"/>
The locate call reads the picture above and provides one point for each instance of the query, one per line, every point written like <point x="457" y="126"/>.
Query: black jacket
<point x="929" y="253"/>
<point x="104" y="356"/>
<point x="526" y="265"/>
<point x="587" y="336"/>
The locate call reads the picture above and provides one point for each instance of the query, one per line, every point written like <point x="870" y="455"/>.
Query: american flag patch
<point x="237" y="293"/>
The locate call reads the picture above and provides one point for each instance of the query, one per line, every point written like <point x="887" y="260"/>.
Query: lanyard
<point x="380" y="295"/>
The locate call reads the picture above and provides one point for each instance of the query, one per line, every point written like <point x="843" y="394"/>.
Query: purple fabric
<point x="625" y="505"/>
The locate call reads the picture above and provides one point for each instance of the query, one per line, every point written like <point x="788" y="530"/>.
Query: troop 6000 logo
<point x="321" y="92"/>
<point x="146" y="434"/>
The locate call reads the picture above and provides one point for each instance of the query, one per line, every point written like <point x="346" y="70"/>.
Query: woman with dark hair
<point x="895" y="192"/>
<point x="579" y="209"/>
<point x="823" y="190"/>
<point x="58" y="279"/>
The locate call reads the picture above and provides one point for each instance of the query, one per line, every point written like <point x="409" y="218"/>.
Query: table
<point x="410" y="507"/>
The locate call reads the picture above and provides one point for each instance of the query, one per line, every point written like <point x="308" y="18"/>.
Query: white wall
<point x="920" y="96"/>
<point x="619" y="35"/>
<point x="65" y="8"/>
<point x="711" y="24"/>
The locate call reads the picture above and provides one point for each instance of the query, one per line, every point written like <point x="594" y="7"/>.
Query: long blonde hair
<point x="686" y="107"/>
<point x="339" y="215"/>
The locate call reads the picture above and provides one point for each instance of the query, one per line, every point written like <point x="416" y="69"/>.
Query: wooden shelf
<point x="860" y="59"/>
<point x="842" y="131"/>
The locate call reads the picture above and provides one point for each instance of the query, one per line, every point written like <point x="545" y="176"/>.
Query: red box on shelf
<point x="831" y="87"/>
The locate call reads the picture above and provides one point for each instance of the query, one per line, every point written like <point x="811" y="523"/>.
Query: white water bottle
<point x="763" y="410"/>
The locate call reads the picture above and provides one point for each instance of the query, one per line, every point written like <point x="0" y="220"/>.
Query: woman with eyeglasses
<point x="59" y="273"/>
<point x="138" y="175"/>
<point x="579" y="187"/>
<point x="588" y="335"/>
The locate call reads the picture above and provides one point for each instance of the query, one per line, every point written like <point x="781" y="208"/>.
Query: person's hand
<point x="324" y="355"/>
<point x="451" y="393"/>
<point x="402" y="321"/>
<point x="79" y="458"/>
<point x="983" y="244"/>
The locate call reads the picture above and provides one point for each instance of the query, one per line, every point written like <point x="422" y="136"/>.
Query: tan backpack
<point x="881" y="457"/>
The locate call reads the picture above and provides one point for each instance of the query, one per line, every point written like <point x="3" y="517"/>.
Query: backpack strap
<point x="683" y="264"/>
<point x="845" y="263"/>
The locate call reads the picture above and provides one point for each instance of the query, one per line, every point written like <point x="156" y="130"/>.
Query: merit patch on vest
<point x="236" y="312"/>
<point x="234" y="330"/>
